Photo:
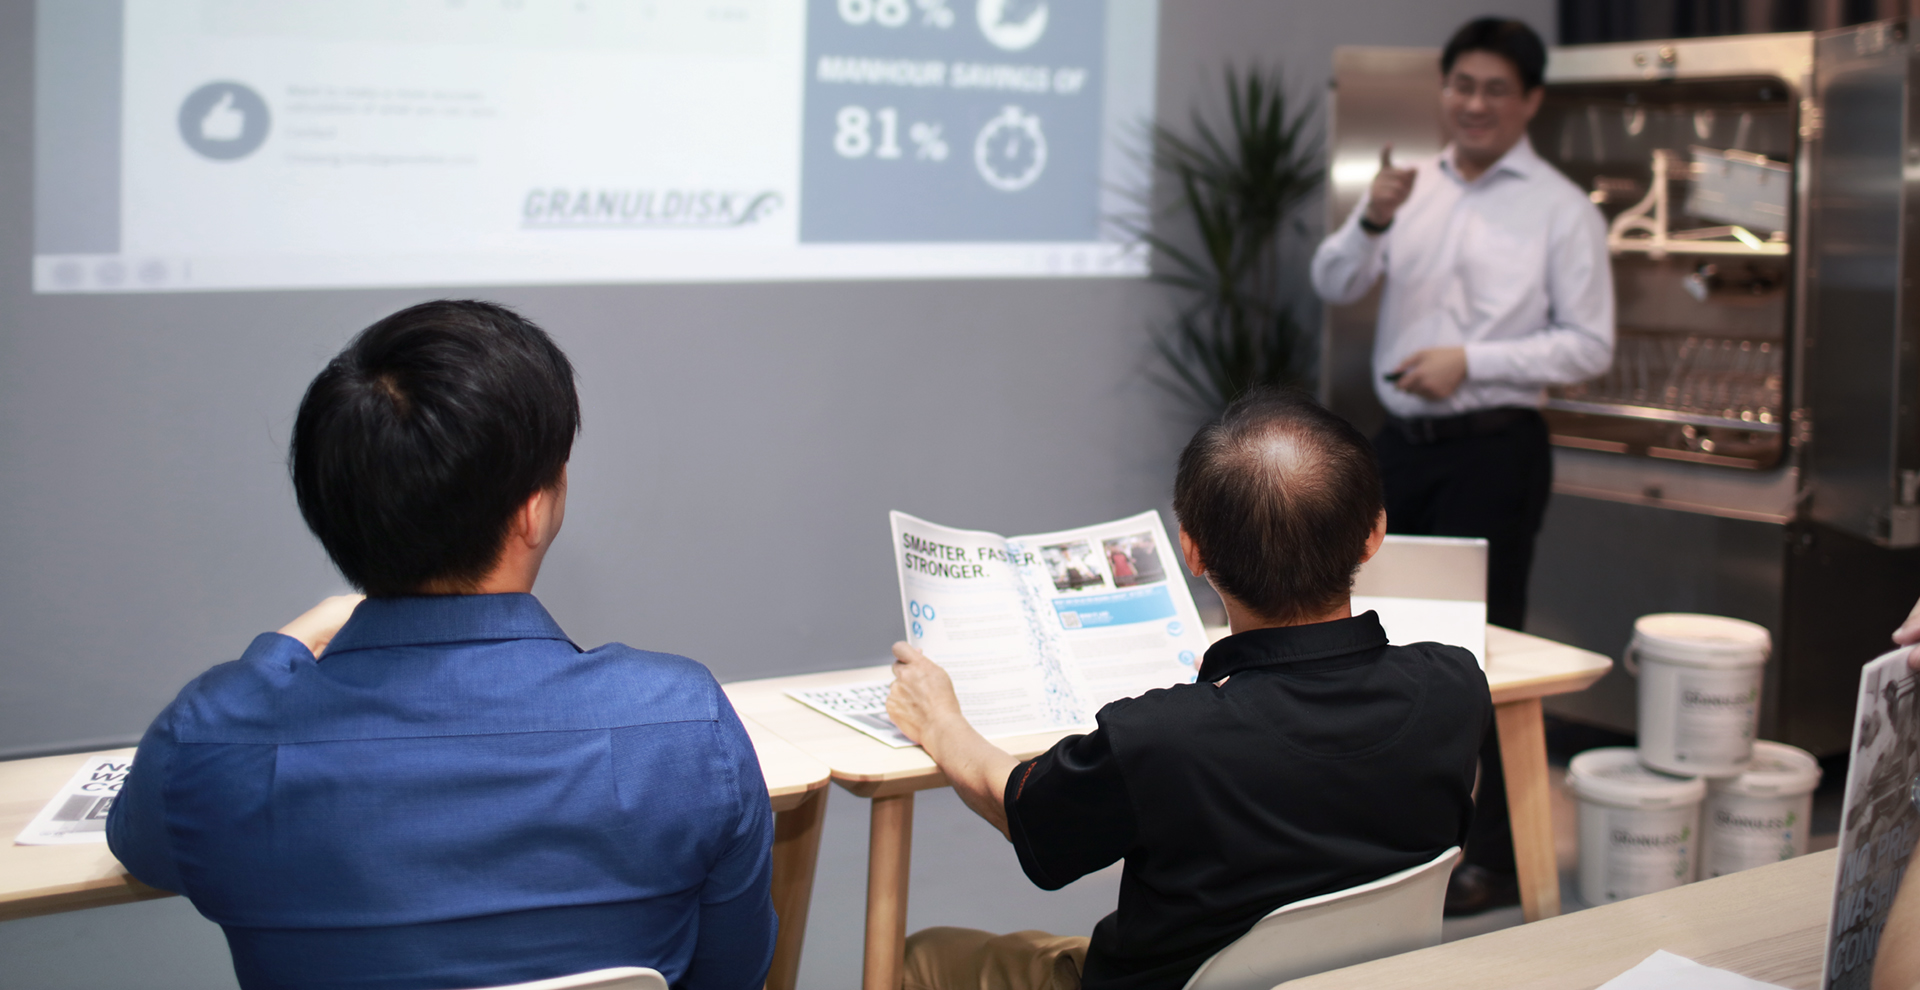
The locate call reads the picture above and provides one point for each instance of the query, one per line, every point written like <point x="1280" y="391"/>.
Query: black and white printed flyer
<point x="1880" y="823"/>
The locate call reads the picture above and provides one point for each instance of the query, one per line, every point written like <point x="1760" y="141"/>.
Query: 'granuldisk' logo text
<point x="686" y="208"/>
<point x="1643" y="840"/>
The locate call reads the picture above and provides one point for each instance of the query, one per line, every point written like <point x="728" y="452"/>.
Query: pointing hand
<point x="1391" y="187"/>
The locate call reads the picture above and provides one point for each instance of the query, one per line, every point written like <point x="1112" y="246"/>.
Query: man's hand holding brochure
<point x="1038" y="632"/>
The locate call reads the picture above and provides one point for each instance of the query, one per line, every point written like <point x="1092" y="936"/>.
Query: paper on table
<point x="861" y="705"/>
<point x="78" y="813"/>
<point x="1665" y="971"/>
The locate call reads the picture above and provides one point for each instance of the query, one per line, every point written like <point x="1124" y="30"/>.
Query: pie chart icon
<point x="1012" y="25"/>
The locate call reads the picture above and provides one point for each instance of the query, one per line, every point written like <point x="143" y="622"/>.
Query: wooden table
<point x="36" y="880"/>
<point x="870" y="769"/>
<point x="1768" y="923"/>
<point x="1521" y="669"/>
<point x="797" y="783"/>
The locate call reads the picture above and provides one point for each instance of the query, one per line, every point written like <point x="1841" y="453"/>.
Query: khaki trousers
<point x="968" y="959"/>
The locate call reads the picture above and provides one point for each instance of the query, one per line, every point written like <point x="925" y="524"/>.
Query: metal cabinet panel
<point x="1860" y="464"/>
<point x="1380" y="96"/>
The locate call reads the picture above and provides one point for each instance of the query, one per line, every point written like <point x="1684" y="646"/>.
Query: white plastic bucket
<point x="1639" y="828"/>
<point x="1761" y="816"/>
<point x="1699" y="691"/>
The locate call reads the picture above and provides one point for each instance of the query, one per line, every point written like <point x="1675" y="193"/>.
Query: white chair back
<point x="1438" y="568"/>
<point x="1391" y="915"/>
<point x="1428" y="589"/>
<point x="617" y="978"/>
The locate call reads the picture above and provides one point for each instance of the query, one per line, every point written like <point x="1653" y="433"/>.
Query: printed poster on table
<point x="78" y="813"/>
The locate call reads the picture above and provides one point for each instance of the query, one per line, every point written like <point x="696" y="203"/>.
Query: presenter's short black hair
<point x="1280" y="496"/>
<point x="1511" y="40"/>
<point x="415" y="446"/>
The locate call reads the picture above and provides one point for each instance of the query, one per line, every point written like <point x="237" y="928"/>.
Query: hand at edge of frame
<point x="1434" y="373"/>
<point x="316" y="627"/>
<point x="922" y="693"/>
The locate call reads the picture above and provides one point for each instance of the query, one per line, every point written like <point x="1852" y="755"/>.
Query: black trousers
<point x="1493" y="486"/>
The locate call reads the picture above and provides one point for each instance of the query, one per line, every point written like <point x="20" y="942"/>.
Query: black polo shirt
<point x="1327" y="759"/>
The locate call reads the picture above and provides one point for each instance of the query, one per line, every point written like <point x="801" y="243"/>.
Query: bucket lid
<point x="1777" y="769"/>
<point x="1616" y="776"/>
<point x="1701" y="640"/>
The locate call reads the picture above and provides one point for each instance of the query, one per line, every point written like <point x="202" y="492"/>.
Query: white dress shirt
<point x="1511" y="266"/>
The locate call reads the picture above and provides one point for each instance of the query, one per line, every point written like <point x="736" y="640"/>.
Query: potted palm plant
<point x="1226" y="196"/>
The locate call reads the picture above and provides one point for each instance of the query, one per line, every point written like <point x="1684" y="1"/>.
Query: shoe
<point x="1474" y="889"/>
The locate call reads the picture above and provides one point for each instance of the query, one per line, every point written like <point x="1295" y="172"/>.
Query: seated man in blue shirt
<point x="1309" y="757"/>
<point x="446" y="792"/>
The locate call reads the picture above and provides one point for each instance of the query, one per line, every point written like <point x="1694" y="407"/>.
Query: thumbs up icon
<point x="224" y="122"/>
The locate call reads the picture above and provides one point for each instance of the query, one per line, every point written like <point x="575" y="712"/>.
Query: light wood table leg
<point x="796" y="851"/>
<point x="889" y="855"/>
<point x="1523" y="755"/>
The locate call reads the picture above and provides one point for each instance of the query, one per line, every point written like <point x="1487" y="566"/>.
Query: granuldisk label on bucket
<point x="1742" y="834"/>
<point x="1648" y="850"/>
<point x="1717" y="715"/>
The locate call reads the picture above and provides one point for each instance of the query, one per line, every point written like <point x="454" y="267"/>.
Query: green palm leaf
<point x="1235" y="189"/>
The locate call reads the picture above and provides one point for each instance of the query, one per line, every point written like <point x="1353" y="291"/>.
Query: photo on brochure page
<point x="1072" y="567"/>
<point x="1134" y="560"/>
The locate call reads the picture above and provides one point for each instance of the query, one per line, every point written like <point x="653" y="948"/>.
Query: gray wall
<point x="736" y="436"/>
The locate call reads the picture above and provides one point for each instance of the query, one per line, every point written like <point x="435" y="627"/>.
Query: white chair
<point x="1391" y="915"/>
<point x="617" y="978"/>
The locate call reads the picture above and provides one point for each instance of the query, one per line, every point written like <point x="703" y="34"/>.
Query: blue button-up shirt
<point x="457" y="796"/>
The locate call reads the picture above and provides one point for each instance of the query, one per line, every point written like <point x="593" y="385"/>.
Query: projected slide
<point x="186" y="145"/>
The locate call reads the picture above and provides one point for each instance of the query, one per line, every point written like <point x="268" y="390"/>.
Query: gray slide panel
<point x="1133" y="59"/>
<point x="972" y="161"/>
<point x="76" y="127"/>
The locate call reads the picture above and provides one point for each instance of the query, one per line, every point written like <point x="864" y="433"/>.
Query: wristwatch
<point x="1367" y="224"/>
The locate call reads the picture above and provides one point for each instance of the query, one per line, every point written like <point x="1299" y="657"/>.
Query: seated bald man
<point x="1309" y="757"/>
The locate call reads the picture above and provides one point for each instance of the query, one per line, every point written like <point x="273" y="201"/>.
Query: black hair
<point x="1511" y="40"/>
<point x="415" y="446"/>
<point x="1280" y="496"/>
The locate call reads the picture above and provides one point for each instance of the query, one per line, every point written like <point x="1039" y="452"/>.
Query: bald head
<point x="1280" y="496"/>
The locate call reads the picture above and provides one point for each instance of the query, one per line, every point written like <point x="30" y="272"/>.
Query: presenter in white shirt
<point x="1497" y="285"/>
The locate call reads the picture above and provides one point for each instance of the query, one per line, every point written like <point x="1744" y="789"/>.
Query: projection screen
<point x="194" y="145"/>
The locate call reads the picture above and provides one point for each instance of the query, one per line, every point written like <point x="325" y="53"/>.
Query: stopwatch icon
<point x="1011" y="152"/>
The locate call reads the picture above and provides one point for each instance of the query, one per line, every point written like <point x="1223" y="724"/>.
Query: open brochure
<point x="78" y="813"/>
<point x="1879" y="822"/>
<point x="1039" y="632"/>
